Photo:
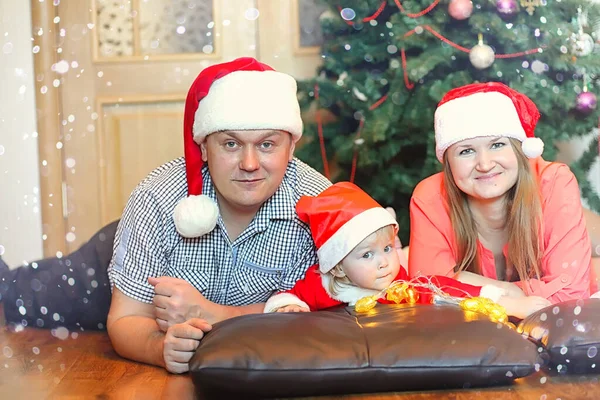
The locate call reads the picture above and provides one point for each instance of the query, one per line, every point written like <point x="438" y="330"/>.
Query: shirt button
<point x="564" y="279"/>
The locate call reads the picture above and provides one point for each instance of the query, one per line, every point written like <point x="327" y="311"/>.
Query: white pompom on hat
<point x="486" y="109"/>
<point x="243" y="94"/>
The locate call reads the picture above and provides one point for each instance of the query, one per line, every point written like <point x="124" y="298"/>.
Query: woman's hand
<point x="522" y="307"/>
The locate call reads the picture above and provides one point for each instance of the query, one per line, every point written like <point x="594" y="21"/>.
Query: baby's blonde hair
<point x="337" y="283"/>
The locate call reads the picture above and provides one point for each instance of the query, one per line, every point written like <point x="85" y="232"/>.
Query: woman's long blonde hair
<point x="524" y="219"/>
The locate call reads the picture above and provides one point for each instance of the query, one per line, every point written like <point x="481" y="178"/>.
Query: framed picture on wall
<point x="308" y="37"/>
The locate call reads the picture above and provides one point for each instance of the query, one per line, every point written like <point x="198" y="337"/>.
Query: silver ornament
<point x="481" y="56"/>
<point x="583" y="45"/>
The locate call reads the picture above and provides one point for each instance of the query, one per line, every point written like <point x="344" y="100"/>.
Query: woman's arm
<point x="431" y="250"/>
<point x="512" y="290"/>
<point x="566" y="261"/>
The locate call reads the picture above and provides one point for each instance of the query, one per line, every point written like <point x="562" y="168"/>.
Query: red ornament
<point x="460" y="9"/>
<point x="586" y="102"/>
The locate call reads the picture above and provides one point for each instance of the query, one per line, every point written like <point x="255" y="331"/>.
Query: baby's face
<point x="374" y="263"/>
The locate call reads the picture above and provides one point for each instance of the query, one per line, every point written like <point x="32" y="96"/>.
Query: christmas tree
<point x="387" y="63"/>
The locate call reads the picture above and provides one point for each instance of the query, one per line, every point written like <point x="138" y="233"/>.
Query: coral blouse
<point x="566" y="260"/>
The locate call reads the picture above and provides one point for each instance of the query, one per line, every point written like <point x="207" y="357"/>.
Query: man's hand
<point x="180" y="343"/>
<point x="293" y="308"/>
<point x="176" y="301"/>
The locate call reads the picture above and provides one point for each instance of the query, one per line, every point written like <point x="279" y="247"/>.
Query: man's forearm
<point x="243" y="310"/>
<point x="138" y="338"/>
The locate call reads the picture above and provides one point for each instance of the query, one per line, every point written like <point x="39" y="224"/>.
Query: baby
<point x="355" y="239"/>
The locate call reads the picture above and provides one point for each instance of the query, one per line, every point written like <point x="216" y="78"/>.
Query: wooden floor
<point x="44" y="364"/>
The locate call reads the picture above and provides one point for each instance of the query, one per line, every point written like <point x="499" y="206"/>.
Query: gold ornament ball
<point x="481" y="56"/>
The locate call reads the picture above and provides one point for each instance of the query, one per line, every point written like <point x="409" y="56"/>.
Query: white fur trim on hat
<point x="349" y="235"/>
<point x="195" y="216"/>
<point x="478" y="115"/>
<point x="347" y="293"/>
<point x="492" y="292"/>
<point x="279" y="300"/>
<point x="249" y="100"/>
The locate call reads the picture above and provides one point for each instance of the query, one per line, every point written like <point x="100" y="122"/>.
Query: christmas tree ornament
<point x="507" y="8"/>
<point x="481" y="55"/>
<point x="460" y="9"/>
<point x="583" y="45"/>
<point x="530" y="5"/>
<point x="586" y="102"/>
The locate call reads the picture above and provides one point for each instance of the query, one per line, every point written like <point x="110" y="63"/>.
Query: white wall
<point x="20" y="218"/>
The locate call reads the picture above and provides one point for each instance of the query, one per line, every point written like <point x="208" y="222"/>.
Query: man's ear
<point x="292" y="148"/>
<point x="203" y="149"/>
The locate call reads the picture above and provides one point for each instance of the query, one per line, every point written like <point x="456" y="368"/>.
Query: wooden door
<point x="119" y="71"/>
<point x="289" y="35"/>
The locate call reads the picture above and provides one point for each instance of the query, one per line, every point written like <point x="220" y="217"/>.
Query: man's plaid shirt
<point x="272" y="253"/>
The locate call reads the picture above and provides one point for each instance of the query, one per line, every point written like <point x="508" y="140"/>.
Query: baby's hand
<point x="293" y="308"/>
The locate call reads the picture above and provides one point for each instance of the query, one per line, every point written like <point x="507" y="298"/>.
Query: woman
<point x="498" y="213"/>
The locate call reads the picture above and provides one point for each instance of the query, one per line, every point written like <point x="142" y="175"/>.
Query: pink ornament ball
<point x="460" y="9"/>
<point x="586" y="102"/>
<point x="507" y="8"/>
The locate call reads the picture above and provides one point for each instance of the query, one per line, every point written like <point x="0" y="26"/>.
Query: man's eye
<point x="367" y="255"/>
<point x="230" y="144"/>
<point x="388" y="248"/>
<point x="266" y="145"/>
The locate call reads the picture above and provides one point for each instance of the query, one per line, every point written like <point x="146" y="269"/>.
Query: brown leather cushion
<point x="570" y="333"/>
<point x="392" y="348"/>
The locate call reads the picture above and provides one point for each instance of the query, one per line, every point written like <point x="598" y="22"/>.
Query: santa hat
<point x="243" y="94"/>
<point x="486" y="109"/>
<point x="340" y="218"/>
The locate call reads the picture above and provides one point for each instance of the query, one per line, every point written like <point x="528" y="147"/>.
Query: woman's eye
<point x="498" y="145"/>
<point x="388" y="248"/>
<point x="367" y="255"/>
<point x="465" y="152"/>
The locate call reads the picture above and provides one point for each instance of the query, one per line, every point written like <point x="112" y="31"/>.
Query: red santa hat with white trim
<point x="243" y="94"/>
<point x="486" y="109"/>
<point x="341" y="217"/>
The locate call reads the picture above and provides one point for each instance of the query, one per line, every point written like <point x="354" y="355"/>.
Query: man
<point x="182" y="263"/>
